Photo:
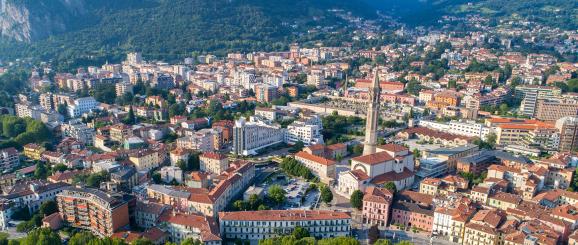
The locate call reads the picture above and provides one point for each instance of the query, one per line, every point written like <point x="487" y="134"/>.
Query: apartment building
<point x="321" y="167"/>
<point x="120" y="132"/>
<point x="9" y="159"/>
<point x="81" y="106"/>
<point x="552" y="110"/>
<point x="94" y="210"/>
<point x="265" y="92"/>
<point x="79" y="131"/>
<point x="147" y="159"/>
<point x="530" y="94"/>
<point x="33" y="151"/>
<point x="181" y="226"/>
<point x="32" y="194"/>
<point x="250" y="137"/>
<point x="302" y="132"/>
<point x="258" y="225"/>
<point x="376" y="206"/>
<point x="213" y="162"/>
<point x="568" y="127"/>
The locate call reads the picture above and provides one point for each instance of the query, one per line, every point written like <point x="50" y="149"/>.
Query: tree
<point x="48" y="208"/>
<point x="297" y="147"/>
<point x="41" y="236"/>
<point x="59" y="168"/>
<point x="157" y="179"/>
<point x="404" y="243"/>
<point x="356" y="199"/>
<point x="300" y="232"/>
<point x="41" y="172"/>
<point x="81" y="238"/>
<point x="276" y="194"/>
<point x="390" y="186"/>
<point x="191" y="241"/>
<point x="383" y="242"/>
<point x="142" y="241"/>
<point x="130" y="117"/>
<point x="326" y="194"/>
<point x="373" y="234"/>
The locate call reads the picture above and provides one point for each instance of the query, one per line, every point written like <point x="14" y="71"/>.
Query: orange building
<point x="94" y="210"/>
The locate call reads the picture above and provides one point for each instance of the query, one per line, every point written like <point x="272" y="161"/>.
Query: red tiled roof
<point x="314" y="158"/>
<point x="373" y="159"/>
<point x="214" y="155"/>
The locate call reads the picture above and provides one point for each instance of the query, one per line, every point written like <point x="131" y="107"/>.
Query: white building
<point x="249" y="137"/>
<point x="470" y="129"/>
<point x="81" y="106"/>
<point x="79" y="131"/>
<point x="170" y="173"/>
<point x="306" y="133"/>
<point x="258" y="225"/>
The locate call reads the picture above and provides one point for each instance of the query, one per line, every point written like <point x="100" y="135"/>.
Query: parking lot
<point x="297" y="196"/>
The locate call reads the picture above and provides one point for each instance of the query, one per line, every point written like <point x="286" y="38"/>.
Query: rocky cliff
<point x="29" y="20"/>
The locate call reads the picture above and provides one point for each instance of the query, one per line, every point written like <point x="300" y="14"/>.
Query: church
<point x="378" y="165"/>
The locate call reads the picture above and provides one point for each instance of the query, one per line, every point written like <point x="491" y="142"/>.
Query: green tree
<point x="326" y="194"/>
<point x="390" y="186"/>
<point x="142" y="241"/>
<point x="81" y="238"/>
<point x="41" y="172"/>
<point x="404" y="243"/>
<point x="41" y="237"/>
<point x="356" y="199"/>
<point x="383" y="242"/>
<point x="191" y="241"/>
<point x="48" y="208"/>
<point x="276" y="194"/>
<point x="300" y="232"/>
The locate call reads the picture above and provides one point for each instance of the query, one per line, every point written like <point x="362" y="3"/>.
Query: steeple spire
<point x="372" y="119"/>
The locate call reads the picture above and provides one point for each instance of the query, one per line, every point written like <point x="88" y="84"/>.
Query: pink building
<point x="376" y="205"/>
<point x="413" y="209"/>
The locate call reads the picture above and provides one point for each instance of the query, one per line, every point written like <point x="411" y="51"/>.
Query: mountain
<point x="64" y="29"/>
<point x="83" y="32"/>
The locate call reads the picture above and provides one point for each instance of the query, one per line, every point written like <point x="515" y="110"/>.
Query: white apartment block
<point x="306" y="133"/>
<point x="79" y="131"/>
<point x="257" y="225"/>
<point x="249" y="137"/>
<point x="470" y="129"/>
<point x="81" y="106"/>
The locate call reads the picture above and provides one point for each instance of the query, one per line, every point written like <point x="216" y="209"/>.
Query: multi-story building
<point x="322" y="167"/>
<point x="181" y="226"/>
<point x="552" y="110"/>
<point x="81" y="106"/>
<point x="413" y="209"/>
<point x="309" y="134"/>
<point x="265" y="92"/>
<point x="258" y="225"/>
<point x="568" y="127"/>
<point x="9" y="159"/>
<point x="469" y="128"/>
<point x="120" y="132"/>
<point x="123" y="88"/>
<point x="530" y="94"/>
<point x="212" y="162"/>
<point x="32" y="194"/>
<point x="79" y="131"/>
<point x="147" y="214"/>
<point x="250" y="137"/>
<point x="376" y="206"/>
<point x="171" y="173"/>
<point x="33" y="151"/>
<point x="94" y="210"/>
<point x="147" y="159"/>
<point x="46" y="101"/>
<point x="203" y="140"/>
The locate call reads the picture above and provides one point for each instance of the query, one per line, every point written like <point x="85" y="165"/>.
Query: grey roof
<point x="452" y="150"/>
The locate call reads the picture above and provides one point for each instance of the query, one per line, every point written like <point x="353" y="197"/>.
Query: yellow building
<point x="33" y="151"/>
<point x="146" y="159"/>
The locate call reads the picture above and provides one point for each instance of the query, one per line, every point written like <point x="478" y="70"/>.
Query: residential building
<point x="79" y="131"/>
<point x="258" y="225"/>
<point x="568" y="127"/>
<point x="250" y="137"/>
<point x="147" y="159"/>
<point x="530" y="94"/>
<point x="81" y="106"/>
<point x="33" y="151"/>
<point x="413" y="209"/>
<point x="309" y="134"/>
<point x="376" y="206"/>
<point x="171" y="173"/>
<point x="319" y="166"/>
<point x="9" y="159"/>
<point x="99" y="212"/>
<point x="265" y="92"/>
<point x="212" y="162"/>
<point x="181" y="226"/>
